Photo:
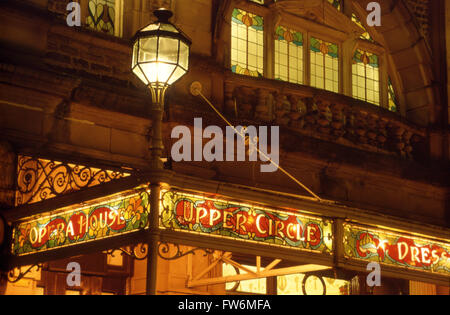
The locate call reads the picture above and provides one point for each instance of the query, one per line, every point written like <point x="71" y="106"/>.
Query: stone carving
<point x="345" y="121"/>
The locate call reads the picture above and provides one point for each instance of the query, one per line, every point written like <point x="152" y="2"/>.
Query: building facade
<point x="363" y="116"/>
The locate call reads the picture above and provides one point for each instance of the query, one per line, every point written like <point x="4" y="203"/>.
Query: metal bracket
<point x="12" y="278"/>
<point x="164" y="250"/>
<point x="137" y="252"/>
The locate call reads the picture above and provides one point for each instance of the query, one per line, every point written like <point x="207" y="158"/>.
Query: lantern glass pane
<point x="151" y="27"/>
<point x="168" y="28"/>
<point x="184" y="55"/>
<point x="150" y="71"/>
<point x="147" y="49"/>
<point x="158" y="72"/>
<point x="168" y="50"/>
<point x="179" y="72"/>
<point x="138" y="72"/>
<point x="135" y="53"/>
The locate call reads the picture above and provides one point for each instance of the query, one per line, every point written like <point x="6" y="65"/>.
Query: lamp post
<point x="160" y="58"/>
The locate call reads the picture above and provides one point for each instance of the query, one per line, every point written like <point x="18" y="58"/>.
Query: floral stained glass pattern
<point x="247" y="43"/>
<point x="218" y="218"/>
<point x="117" y="215"/>
<point x="324" y="65"/>
<point x="289" y="55"/>
<point x="364" y="35"/>
<point x="101" y="15"/>
<point x="366" y="77"/>
<point x="396" y="249"/>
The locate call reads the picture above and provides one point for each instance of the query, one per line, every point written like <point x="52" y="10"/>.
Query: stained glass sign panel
<point x="396" y="250"/>
<point x="115" y="215"/>
<point x="196" y="214"/>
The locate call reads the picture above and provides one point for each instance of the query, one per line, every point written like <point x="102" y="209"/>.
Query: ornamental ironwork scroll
<point x="173" y="252"/>
<point x="99" y="219"/>
<point x="137" y="252"/>
<point x="16" y="274"/>
<point x="397" y="250"/>
<point x="219" y="218"/>
<point x="40" y="179"/>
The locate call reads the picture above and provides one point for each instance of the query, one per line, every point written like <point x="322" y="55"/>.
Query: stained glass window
<point x="247" y="43"/>
<point x="336" y="3"/>
<point x="324" y="65"/>
<point x="393" y="101"/>
<point x="102" y="15"/>
<point x="366" y="77"/>
<point x="364" y="35"/>
<point x="289" y="55"/>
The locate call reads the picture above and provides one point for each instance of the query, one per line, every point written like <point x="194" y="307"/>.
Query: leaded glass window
<point x="324" y="65"/>
<point x="102" y="16"/>
<point x="336" y="3"/>
<point x="366" y="77"/>
<point x="247" y="43"/>
<point x="393" y="101"/>
<point x="364" y="35"/>
<point x="289" y="55"/>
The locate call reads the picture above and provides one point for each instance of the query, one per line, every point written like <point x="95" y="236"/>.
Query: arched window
<point x="324" y="65"/>
<point x="366" y="76"/>
<point x="289" y="55"/>
<point x="323" y="46"/>
<point x="247" y="43"/>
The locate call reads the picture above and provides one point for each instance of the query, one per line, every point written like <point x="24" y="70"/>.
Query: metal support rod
<point x="196" y="90"/>
<point x="155" y="189"/>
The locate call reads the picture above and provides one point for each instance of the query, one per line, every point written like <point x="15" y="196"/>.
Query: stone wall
<point x="7" y="175"/>
<point x="447" y="18"/>
<point x="76" y="99"/>
<point x="420" y="8"/>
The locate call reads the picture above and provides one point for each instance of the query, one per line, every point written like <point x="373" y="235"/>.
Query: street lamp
<point x="160" y="55"/>
<point x="160" y="58"/>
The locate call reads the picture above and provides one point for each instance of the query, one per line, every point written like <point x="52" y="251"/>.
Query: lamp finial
<point x="163" y="15"/>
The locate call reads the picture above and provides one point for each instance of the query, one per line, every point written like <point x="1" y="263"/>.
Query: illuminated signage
<point x="117" y="215"/>
<point x="396" y="250"/>
<point x="185" y="212"/>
